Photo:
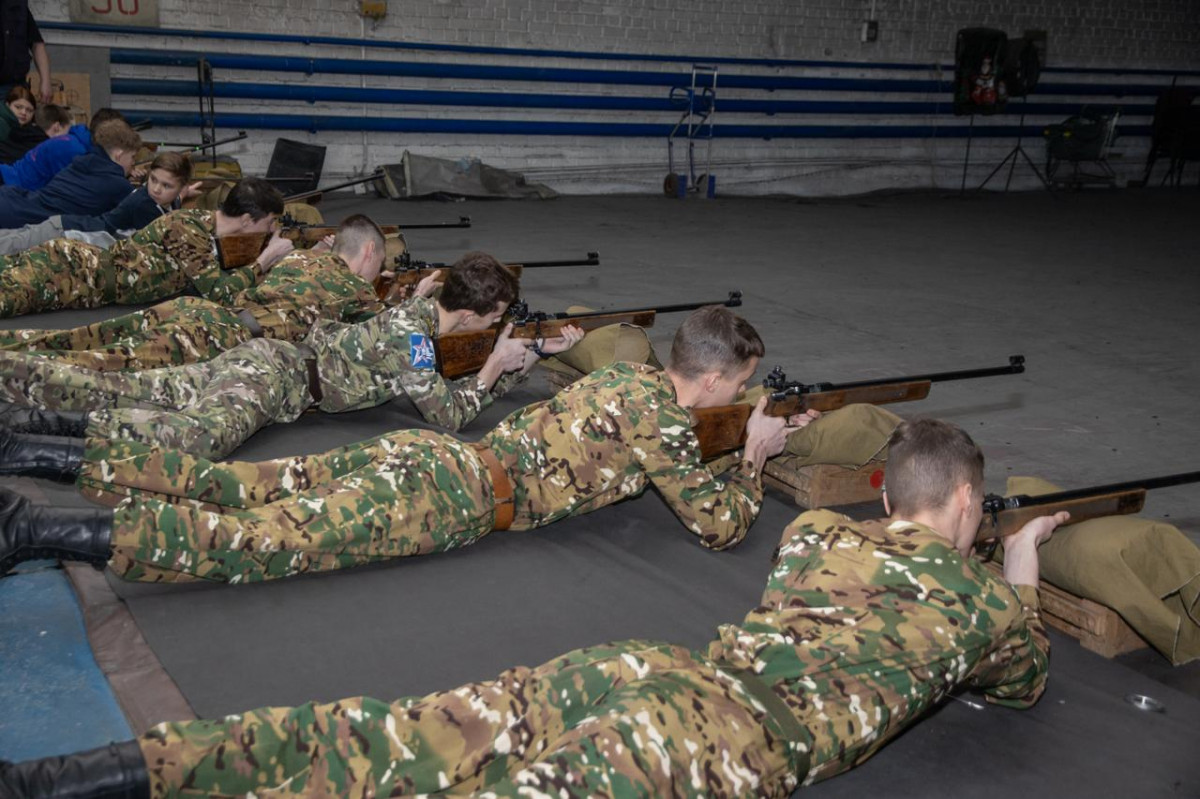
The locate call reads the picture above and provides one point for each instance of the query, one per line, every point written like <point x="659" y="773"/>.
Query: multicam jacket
<point x="864" y="626"/>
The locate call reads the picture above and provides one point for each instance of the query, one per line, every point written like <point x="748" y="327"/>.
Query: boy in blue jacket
<point x="39" y="165"/>
<point x="94" y="183"/>
<point x="166" y="185"/>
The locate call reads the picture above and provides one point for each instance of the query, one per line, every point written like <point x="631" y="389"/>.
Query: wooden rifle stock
<point x="723" y="429"/>
<point x="1006" y="515"/>
<point x="240" y="249"/>
<point x="463" y="353"/>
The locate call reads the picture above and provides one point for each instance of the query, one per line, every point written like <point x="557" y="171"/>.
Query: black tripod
<point x="1011" y="160"/>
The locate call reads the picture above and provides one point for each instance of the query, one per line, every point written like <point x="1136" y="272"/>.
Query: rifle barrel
<point x="322" y="189"/>
<point x="1016" y="365"/>
<point x="197" y="147"/>
<point x="732" y="301"/>
<point x="1025" y="501"/>
<point x="463" y="221"/>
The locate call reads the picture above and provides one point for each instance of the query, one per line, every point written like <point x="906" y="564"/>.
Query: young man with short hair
<point x="862" y="628"/>
<point x="414" y="492"/>
<point x="175" y="252"/>
<point x="209" y="409"/>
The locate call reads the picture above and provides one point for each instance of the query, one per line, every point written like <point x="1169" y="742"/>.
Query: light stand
<point x="1011" y="160"/>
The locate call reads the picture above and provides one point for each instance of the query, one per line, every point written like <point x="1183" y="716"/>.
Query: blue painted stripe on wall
<point x="629" y="130"/>
<point x="342" y="94"/>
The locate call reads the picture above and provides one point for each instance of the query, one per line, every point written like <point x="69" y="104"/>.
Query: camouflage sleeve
<point x="221" y="285"/>
<point x="507" y="383"/>
<point x="367" y="364"/>
<point x="719" y="511"/>
<point x="448" y="404"/>
<point x="364" y="306"/>
<point x="1014" y="672"/>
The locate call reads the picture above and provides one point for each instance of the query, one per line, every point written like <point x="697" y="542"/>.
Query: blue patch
<point x="420" y="351"/>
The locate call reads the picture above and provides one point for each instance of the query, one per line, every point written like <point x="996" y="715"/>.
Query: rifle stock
<point x="459" y="354"/>
<point x="240" y="249"/>
<point x="723" y="429"/>
<point x="1007" y="522"/>
<point x="1006" y="515"/>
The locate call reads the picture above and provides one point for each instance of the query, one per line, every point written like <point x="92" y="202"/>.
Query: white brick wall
<point x="1107" y="33"/>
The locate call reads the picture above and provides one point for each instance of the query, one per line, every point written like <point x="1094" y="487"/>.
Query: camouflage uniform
<point x="300" y="289"/>
<point x="413" y="492"/>
<point x="861" y="630"/>
<point x="171" y="254"/>
<point x="209" y="409"/>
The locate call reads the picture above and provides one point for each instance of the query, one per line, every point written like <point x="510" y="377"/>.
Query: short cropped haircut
<point x="927" y="460"/>
<point x="714" y="339"/>
<point x="21" y="93"/>
<point x="477" y="282"/>
<point x="253" y="196"/>
<point x="356" y="232"/>
<point x="115" y="134"/>
<point x="103" y="115"/>
<point x="178" y="164"/>
<point x="48" y="115"/>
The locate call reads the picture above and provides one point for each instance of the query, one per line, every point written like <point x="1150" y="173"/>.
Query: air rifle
<point x="189" y="148"/>
<point x="462" y="353"/>
<point x="1006" y="515"/>
<point x="407" y="272"/>
<point x="723" y="429"/>
<point x="308" y="235"/>
<point x="316" y="194"/>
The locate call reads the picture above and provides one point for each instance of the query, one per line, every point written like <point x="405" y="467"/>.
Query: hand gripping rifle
<point x="462" y="353"/>
<point x="723" y="429"/>
<point x="1006" y="515"/>
<point x="397" y="283"/>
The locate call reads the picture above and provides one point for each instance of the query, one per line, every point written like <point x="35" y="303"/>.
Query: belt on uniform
<point x="246" y="318"/>
<point x="777" y="709"/>
<point x="502" y="488"/>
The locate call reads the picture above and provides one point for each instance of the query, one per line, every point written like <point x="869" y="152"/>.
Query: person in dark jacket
<point x="166" y="186"/>
<point x="48" y="121"/>
<point x="94" y="183"/>
<point x="21" y="43"/>
<point x="52" y="156"/>
<point x="17" y="111"/>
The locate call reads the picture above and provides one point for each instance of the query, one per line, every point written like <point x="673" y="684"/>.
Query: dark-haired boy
<point x="91" y="184"/>
<point x="302" y="287"/>
<point x="175" y="252"/>
<point x="208" y="409"/>
<point x="861" y="630"/>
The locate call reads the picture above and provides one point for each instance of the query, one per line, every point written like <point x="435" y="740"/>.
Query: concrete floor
<point x="1097" y="290"/>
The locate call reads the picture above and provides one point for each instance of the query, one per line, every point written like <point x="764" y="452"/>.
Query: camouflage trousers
<point x="62" y="273"/>
<point x="179" y="331"/>
<point x="178" y="517"/>
<point x="207" y="409"/>
<point x="635" y="718"/>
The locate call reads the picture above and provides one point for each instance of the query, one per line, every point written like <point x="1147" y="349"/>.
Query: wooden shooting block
<point x="1097" y="627"/>
<point x="823" y="485"/>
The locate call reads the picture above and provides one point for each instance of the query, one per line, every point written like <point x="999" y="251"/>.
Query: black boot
<point x="116" y="771"/>
<point x="37" y="421"/>
<point x="52" y="457"/>
<point x="30" y="532"/>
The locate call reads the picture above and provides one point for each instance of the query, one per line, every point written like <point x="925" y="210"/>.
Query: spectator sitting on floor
<point x="48" y="121"/>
